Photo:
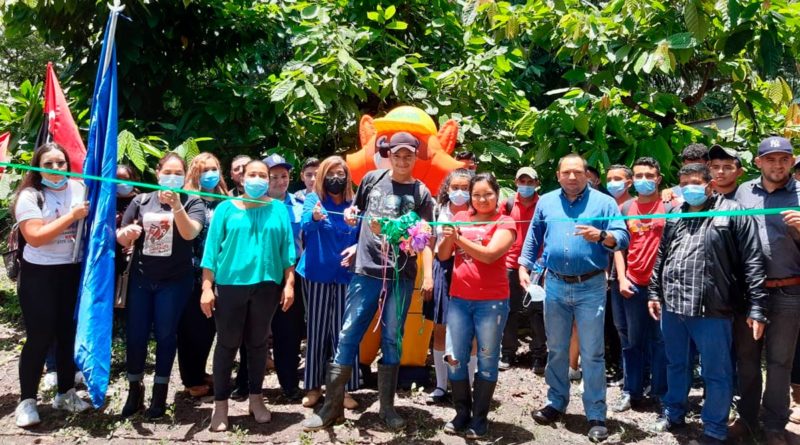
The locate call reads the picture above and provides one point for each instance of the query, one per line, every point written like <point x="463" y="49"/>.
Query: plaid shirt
<point x="684" y="268"/>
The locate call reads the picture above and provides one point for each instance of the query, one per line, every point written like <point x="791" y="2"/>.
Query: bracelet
<point x="179" y="210"/>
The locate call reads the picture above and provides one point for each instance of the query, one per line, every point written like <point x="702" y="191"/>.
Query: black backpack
<point x="15" y="245"/>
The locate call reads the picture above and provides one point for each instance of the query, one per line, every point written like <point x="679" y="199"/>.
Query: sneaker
<point x="505" y="363"/>
<point x="437" y="396"/>
<point x="663" y="424"/>
<point x="70" y="402"/>
<point x="50" y="381"/>
<point x="575" y="374"/>
<point x="27" y="414"/>
<point x="623" y="403"/>
<point x="597" y="431"/>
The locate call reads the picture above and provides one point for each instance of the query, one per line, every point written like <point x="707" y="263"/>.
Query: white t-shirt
<point x="57" y="203"/>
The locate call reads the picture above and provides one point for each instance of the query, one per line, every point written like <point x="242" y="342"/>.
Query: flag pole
<point x="115" y="9"/>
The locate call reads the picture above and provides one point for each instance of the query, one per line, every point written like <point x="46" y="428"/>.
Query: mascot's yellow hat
<point x="406" y="118"/>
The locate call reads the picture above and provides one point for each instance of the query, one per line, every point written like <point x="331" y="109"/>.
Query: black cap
<point x="719" y="152"/>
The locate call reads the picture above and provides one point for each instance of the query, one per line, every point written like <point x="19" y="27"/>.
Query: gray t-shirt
<point x="379" y="196"/>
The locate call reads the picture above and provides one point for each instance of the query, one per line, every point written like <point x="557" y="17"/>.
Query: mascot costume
<point x="434" y="163"/>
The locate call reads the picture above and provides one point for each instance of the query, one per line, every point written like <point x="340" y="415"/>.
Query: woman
<point x="248" y="253"/>
<point x="453" y="198"/>
<point x="325" y="281"/>
<point x="161" y="226"/>
<point x="195" y="331"/>
<point x="478" y="302"/>
<point x="47" y="208"/>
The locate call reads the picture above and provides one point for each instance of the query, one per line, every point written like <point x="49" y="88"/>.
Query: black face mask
<point x="334" y="185"/>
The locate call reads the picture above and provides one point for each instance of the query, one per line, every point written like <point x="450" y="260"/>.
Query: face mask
<point x="255" y="187"/>
<point x="526" y="191"/>
<point x="171" y="181"/>
<point x="334" y="185"/>
<point x="616" y="188"/>
<point x="458" y="197"/>
<point x="209" y="179"/>
<point x="695" y="195"/>
<point x="645" y="187"/>
<point x="54" y="185"/>
<point x="124" y="189"/>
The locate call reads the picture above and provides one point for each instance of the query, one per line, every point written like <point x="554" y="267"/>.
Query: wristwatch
<point x="603" y="236"/>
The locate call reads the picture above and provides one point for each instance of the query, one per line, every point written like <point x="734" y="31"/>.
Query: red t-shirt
<point x="472" y="279"/>
<point x="645" y="237"/>
<point x="523" y="216"/>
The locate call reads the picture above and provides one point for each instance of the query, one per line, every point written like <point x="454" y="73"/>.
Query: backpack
<point x="15" y="245"/>
<point x="367" y="186"/>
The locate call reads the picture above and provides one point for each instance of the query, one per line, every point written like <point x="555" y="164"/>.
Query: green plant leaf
<point x="397" y="25"/>
<point x="682" y="40"/>
<point x="695" y="19"/>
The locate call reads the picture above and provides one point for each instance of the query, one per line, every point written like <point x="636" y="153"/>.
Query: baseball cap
<point x="276" y="160"/>
<point x="774" y="144"/>
<point x="398" y="141"/>
<point x="797" y="162"/>
<point x="719" y="152"/>
<point x="526" y="171"/>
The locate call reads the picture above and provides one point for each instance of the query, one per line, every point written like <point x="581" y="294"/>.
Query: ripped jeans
<point x="484" y="320"/>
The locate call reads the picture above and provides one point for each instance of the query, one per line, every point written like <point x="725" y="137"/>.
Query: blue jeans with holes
<point x="154" y="306"/>
<point x="584" y="304"/>
<point x="713" y="338"/>
<point x="483" y="320"/>
<point x="360" y="306"/>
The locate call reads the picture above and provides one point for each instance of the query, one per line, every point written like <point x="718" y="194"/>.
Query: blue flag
<point x="96" y="301"/>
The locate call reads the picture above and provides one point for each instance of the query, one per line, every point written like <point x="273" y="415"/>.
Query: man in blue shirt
<point x="572" y="229"/>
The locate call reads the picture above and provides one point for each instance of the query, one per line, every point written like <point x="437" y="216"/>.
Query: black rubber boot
<point x="135" y="401"/>
<point x="387" y="387"/>
<point x="332" y="410"/>
<point x="481" y="400"/>
<point x="462" y="402"/>
<point x="158" y="403"/>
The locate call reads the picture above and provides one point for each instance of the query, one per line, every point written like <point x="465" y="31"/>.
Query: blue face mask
<point x="616" y="188"/>
<point x="526" y="191"/>
<point x="645" y="187"/>
<point x="54" y="185"/>
<point x="255" y="187"/>
<point x="124" y="189"/>
<point x="209" y="179"/>
<point x="171" y="181"/>
<point x="694" y="194"/>
<point x="459" y="197"/>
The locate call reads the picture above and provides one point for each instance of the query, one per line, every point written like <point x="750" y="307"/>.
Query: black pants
<point x="47" y="295"/>
<point x="195" y="337"/>
<point x="243" y="315"/>
<point x="613" y="344"/>
<point x="796" y="364"/>
<point x="533" y="314"/>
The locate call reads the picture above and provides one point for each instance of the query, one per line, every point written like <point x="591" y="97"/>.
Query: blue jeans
<point x="713" y="338"/>
<point x="641" y="339"/>
<point x="360" y="306"/>
<point x="584" y="304"/>
<point x="484" y="320"/>
<point x="157" y="306"/>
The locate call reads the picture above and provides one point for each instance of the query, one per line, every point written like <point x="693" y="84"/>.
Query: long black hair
<point x="483" y="177"/>
<point x="33" y="179"/>
<point x="444" y="190"/>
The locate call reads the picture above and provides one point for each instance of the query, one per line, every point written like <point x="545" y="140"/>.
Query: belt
<point x="577" y="278"/>
<point x="783" y="282"/>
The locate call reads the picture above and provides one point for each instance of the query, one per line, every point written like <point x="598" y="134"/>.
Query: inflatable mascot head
<point x="434" y="161"/>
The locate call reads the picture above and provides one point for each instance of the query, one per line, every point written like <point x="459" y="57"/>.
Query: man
<point x="691" y="154"/>
<point x="382" y="194"/>
<point x="619" y="180"/>
<point x="797" y="168"/>
<point x="309" y="176"/>
<point x="237" y="169"/>
<point x="594" y="179"/>
<point x="521" y="208"/>
<point x="726" y="168"/>
<point x="704" y="266"/>
<point x="469" y="159"/>
<point x="639" y="333"/>
<point x="576" y="255"/>
<point x="780" y="242"/>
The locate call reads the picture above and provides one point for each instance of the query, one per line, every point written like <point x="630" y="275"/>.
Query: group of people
<point x="712" y="289"/>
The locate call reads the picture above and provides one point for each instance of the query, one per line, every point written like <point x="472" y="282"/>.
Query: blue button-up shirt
<point x="295" y="214"/>
<point x="553" y="227"/>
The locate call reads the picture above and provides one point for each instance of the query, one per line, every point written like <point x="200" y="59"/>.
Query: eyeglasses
<point x="54" y="164"/>
<point x="336" y="175"/>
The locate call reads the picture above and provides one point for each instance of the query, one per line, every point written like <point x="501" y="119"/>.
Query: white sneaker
<point x="79" y="379"/>
<point x="50" y="381"/>
<point x="70" y="402"/>
<point x="575" y="374"/>
<point x="26" y="412"/>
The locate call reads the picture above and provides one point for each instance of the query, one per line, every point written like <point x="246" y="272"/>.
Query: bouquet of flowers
<point x="410" y="233"/>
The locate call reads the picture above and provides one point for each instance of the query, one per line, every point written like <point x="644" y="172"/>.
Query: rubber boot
<point x="481" y="400"/>
<point x="462" y="402"/>
<point x="158" y="403"/>
<point x="135" y="401"/>
<point x="794" y="415"/>
<point x="387" y="387"/>
<point x="332" y="410"/>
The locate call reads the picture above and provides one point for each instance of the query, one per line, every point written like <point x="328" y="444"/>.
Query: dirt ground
<point x="518" y="393"/>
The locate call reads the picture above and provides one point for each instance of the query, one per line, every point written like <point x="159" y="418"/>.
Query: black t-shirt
<point x="387" y="198"/>
<point x="161" y="253"/>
